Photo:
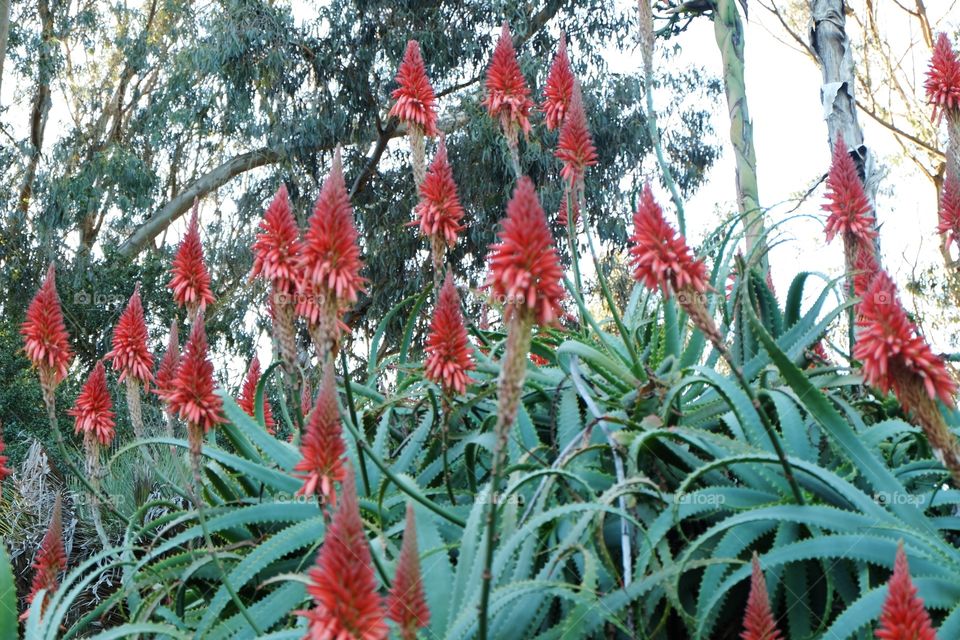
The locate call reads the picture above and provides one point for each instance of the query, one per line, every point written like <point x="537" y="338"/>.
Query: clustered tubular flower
<point x="342" y="583"/>
<point x="943" y="79"/>
<point x="661" y="258"/>
<point x="559" y="88"/>
<point x="165" y="377"/>
<point x="130" y="355"/>
<point x="45" y="335"/>
<point x="191" y="281"/>
<point x="50" y="560"/>
<point x="448" y="351"/>
<point x="575" y="145"/>
<point x="524" y="270"/>
<point x="562" y="218"/>
<point x="949" y="226"/>
<point x="5" y="471"/>
<point x="330" y="262"/>
<point x="758" y="621"/>
<point x="248" y="396"/>
<point x="93" y="409"/>
<point x="193" y="396"/>
<point x="508" y="96"/>
<point x="406" y="603"/>
<point x="322" y="447"/>
<point x="895" y="356"/>
<point x="277" y="259"/>
<point x="416" y="104"/>
<point x="891" y="349"/>
<point x="850" y="210"/>
<point x="903" y="616"/>
<point x="439" y="212"/>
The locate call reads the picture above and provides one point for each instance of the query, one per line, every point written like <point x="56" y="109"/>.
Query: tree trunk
<point x="4" y="32"/>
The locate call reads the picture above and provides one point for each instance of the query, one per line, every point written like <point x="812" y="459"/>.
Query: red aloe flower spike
<point x="50" y="560"/>
<point x="850" y="210"/>
<point x="865" y="268"/>
<point x="449" y="356"/>
<point x="891" y="349"/>
<point x="331" y="257"/>
<point x="191" y="281"/>
<point x="524" y="270"/>
<point x="903" y="616"/>
<point x="439" y="211"/>
<point x="559" y="87"/>
<point x="45" y="335"/>
<point x="406" y="603"/>
<point x="950" y="211"/>
<point x="5" y="471"/>
<point x="276" y="251"/>
<point x="323" y="448"/>
<point x="416" y="104"/>
<point x="758" y="622"/>
<point x="343" y="585"/>
<point x="306" y="398"/>
<point x="248" y="396"/>
<point x="93" y="410"/>
<point x="575" y="146"/>
<point x="660" y="257"/>
<point x="943" y="79"/>
<point x="508" y="96"/>
<point x="130" y="355"/>
<point x="562" y="219"/>
<point x="163" y="381"/>
<point x="193" y="396"/>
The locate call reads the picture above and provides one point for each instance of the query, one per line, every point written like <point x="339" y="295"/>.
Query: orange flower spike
<point x="575" y="145"/>
<point x="166" y="374"/>
<point x="193" y="396"/>
<point x="344" y="588"/>
<point x="416" y="104"/>
<point x="508" y="96"/>
<point x="45" y="334"/>
<point x="943" y="79"/>
<point x="850" y="210"/>
<point x="93" y="410"/>
<point x="50" y="560"/>
<point x="439" y="211"/>
<point x="130" y="355"/>
<point x="559" y="88"/>
<point x="248" y="396"/>
<point x="406" y="603"/>
<point x="449" y="357"/>
<point x="276" y="250"/>
<point x="904" y="616"/>
<point x="758" y="622"/>
<point x="191" y="280"/>
<point x="323" y="448"/>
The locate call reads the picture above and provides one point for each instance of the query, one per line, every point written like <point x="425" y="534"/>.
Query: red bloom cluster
<point x="248" y="396"/>
<point x="193" y="396"/>
<point x="448" y="349"/>
<point x="130" y="355"/>
<point x="559" y="88"/>
<point x="508" y="96"/>
<point x="163" y="381"/>
<point x="276" y="250"/>
<point x="575" y="145"/>
<point x="943" y="78"/>
<point x="846" y="201"/>
<point x="524" y="270"/>
<point x="890" y="348"/>
<point x="323" y="447"/>
<point x="330" y="257"/>
<point x="5" y="471"/>
<point x="758" y="622"/>
<point x="51" y="559"/>
<point x="406" y="603"/>
<point x="865" y="267"/>
<point x="439" y="211"/>
<point x="342" y="583"/>
<point x="950" y="210"/>
<point x="562" y="218"/>
<point x="191" y="281"/>
<point x="44" y="333"/>
<point x="660" y="256"/>
<point x="416" y="103"/>
<point x="93" y="410"/>
<point x="903" y="616"/>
